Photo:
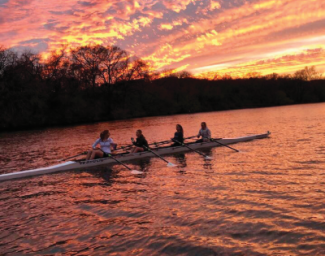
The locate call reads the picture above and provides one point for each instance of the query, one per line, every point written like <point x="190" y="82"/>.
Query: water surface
<point x="266" y="200"/>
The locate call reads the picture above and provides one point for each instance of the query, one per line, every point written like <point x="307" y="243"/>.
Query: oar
<point x="83" y="153"/>
<point x="127" y="167"/>
<point x="184" y="145"/>
<point x="224" y="144"/>
<point x="169" y="164"/>
<point x="168" y="141"/>
<point x="124" y="147"/>
<point x="157" y="144"/>
<point x="154" y="144"/>
<point x="190" y="137"/>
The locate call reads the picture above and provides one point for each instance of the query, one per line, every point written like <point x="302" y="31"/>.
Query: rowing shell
<point x="70" y="165"/>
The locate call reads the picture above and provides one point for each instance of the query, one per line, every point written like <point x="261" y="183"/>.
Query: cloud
<point x="209" y="38"/>
<point x="171" y="34"/>
<point x="214" y="5"/>
<point x="175" y="23"/>
<point x="166" y="26"/>
<point x="3" y="2"/>
<point x="177" y="6"/>
<point x="85" y="3"/>
<point x="283" y="64"/>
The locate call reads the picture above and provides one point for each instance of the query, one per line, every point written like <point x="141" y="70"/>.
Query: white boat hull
<point x="71" y="165"/>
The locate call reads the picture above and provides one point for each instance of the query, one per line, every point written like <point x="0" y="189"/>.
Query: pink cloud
<point x="171" y="34"/>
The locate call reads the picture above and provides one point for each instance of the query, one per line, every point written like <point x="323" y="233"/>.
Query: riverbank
<point x="39" y="105"/>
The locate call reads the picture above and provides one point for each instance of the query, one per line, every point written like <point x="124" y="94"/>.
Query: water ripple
<point x="266" y="200"/>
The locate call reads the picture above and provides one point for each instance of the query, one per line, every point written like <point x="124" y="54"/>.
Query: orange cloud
<point x="209" y="38"/>
<point x="202" y="34"/>
<point x="241" y="35"/>
<point x="177" y="6"/>
<point x="175" y="23"/>
<point x="214" y="5"/>
<point x="283" y="64"/>
<point x="166" y="26"/>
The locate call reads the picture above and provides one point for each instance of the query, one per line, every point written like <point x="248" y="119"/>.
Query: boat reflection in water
<point x="180" y="160"/>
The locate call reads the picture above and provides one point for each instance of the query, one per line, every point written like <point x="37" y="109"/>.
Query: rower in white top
<point x="204" y="132"/>
<point x="106" y="145"/>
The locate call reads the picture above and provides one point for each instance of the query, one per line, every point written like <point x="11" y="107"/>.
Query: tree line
<point x="100" y="83"/>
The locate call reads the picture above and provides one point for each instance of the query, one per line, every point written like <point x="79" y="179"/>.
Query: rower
<point x="178" y="136"/>
<point x="106" y="143"/>
<point x="204" y="132"/>
<point x="140" y="144"/>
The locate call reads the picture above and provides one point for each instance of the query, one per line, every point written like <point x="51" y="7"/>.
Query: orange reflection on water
<point x="265" y="200"/>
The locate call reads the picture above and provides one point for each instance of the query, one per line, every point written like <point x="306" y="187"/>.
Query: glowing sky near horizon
<point x="229" y="36"/>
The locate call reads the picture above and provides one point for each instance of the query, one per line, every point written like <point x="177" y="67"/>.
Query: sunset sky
<point x="235" y="36"/>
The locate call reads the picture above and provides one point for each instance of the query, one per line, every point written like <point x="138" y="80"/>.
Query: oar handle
<point x="192" y="137"/>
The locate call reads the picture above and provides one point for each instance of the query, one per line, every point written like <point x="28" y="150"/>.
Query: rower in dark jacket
<point x="178" y="136"/>
<point x="140" y="144"/>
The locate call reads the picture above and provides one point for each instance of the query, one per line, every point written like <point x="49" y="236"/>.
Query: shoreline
<point x="36" y="128"/>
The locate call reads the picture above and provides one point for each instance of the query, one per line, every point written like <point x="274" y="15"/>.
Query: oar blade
<point x="208" y="158"/>
<point x="171" y="165"/>
<point x="136" y="172"/>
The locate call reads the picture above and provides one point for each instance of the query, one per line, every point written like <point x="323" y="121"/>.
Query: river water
<point x="268" y="199"/>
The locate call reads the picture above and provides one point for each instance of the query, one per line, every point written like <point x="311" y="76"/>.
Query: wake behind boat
<point x="71" y="165"/>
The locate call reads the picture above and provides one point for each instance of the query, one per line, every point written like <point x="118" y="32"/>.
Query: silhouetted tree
<point x="184" y="74"/>
<point x="308" y="74"/>
<point x="138" y="69"/>
<point x="56" y="65"/>
<point x="226" y="76"/>
<point x="253" y="75"/>
<point x="114" y="64"/>
<point x="97" y="83"/>
<point x="273" y="76"/>
<point x="85" y="64"/>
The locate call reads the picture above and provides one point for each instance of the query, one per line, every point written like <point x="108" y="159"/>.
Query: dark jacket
<point x="141" y="142"/>
<point x="178" y="137"/>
